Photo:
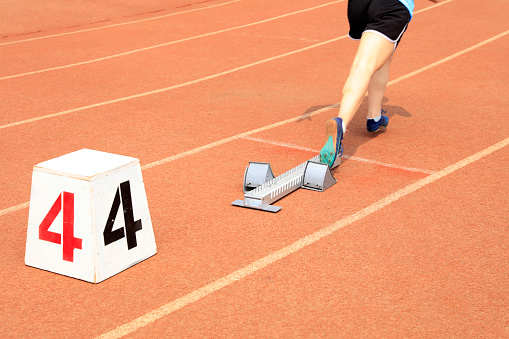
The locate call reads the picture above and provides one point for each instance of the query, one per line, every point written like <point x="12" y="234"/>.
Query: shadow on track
<point x="357" y="133"/>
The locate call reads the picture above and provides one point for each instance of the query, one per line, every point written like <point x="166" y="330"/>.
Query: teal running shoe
<point x="329" y="151"/>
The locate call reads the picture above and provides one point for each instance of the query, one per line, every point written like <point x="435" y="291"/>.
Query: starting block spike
<point x="311" y="175"/>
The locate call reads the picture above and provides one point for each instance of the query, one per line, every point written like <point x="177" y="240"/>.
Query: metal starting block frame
<point x="261" y="188"/>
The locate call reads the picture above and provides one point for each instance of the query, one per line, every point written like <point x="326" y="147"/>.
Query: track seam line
<point x="261" y="129"/>
<point x="166" y="43"/>
<point x="369" y="161"/>
<point x="273" y="257"/>
<point x="120" y="24"/>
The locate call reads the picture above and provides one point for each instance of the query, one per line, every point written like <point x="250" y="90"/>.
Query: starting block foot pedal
<point x="317" y="177"/>
<point x="257" y="174"/>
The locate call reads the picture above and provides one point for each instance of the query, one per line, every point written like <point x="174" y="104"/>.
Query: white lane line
<point x="166" y="43"/>
<point x="242" y="135"/>
<point x="178" y="86"/>
<point x="14" y="208"/>
<point x="283" y="144"/>
<point x="275" y="37"/>
<point x="156" y="18"/>
<point x="432" y="6"/>
<point x="444" y="60"/>
<point x="257" y="265"/>
<point x="235" y="137"/>
<point x="306" y="149"/>
<point x="202" y="148"/>
<point x="375" y="162"/>
<point x="120" y="24"/>
<point x="161" y="17"/>
<point x="192" y="82"/>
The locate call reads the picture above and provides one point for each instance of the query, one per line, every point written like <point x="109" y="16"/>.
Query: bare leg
<point x="374" y="52"/>
<point x="376" y="89"/>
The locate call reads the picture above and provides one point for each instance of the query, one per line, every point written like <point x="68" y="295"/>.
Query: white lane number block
<point x="89" y="216"/>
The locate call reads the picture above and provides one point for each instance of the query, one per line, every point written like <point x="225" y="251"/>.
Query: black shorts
<point x="387" y="18"/>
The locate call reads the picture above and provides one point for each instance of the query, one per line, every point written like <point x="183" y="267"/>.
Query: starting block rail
<point x="261" y="188"/>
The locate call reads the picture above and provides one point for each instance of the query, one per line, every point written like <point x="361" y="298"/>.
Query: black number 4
<point x="131" y="226"/>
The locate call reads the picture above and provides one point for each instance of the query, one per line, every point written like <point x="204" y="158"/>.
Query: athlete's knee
<point x="362" y="69"/>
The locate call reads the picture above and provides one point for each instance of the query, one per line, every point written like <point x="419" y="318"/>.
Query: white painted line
<point x="184" y="84"/>
<point x="235" y="137"/>
<point x="192" y="82"/>
<point x="374" y="162"/>
<point x="159" y="17"/>
<point x="432" y="6"/>
<point x="257" y="265"/>
<point x="202" y="148"/>
<point x="117" y="25"/>
<point x="283" y="144"/>
<point x="444" y="60"/>
<point x="14" y="208"/>
<point x="165" y="44"/>
<point x="275" y="37"/>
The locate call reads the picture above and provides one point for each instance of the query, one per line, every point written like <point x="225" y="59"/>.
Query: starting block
<point x="261" y="188"/>
<point x="257" y="174"/>
<point x="88" y="216"/>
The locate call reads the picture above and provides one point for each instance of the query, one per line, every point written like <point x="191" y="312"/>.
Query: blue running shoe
<point x="374" y="126"/>
<point x="329" y="151"/>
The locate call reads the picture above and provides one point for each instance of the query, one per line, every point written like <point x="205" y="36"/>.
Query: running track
<point x="198" y="89"/>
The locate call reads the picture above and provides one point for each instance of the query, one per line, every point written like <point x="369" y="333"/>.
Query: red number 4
<point x="67" y="239"/>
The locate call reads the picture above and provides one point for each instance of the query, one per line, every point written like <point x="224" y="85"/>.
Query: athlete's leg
<point x="376" y="89"/>
<point x="374" y="52"/>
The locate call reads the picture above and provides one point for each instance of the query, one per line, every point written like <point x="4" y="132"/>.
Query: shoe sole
<point x="378" y="129"/>
<point x="331" y="128"/>
<point x="329" y="150"/>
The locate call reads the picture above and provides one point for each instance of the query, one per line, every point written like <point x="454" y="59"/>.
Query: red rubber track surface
<point x="159" y="81"/>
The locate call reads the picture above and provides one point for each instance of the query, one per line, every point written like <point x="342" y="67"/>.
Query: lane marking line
<point x="233" y="138"/>
<point x="444" y="60"/>
<point x="201" y="148"/>
<point x="276" y="256"/>
<point x="192" y="82"/>
<point x="161" y="17"/>
<point x="242" y="135"/>
<point x="120" y="24"/>
<point x="307" y="115"/>
<point x="283" y="144"/>
<point x="166" y="43"/>
<point x="369" y="161"/>
<point x="175" y="86"/>
<point x="14" y="208"/>
<point x="432" y="6"/>
<point x="275" y="37"/>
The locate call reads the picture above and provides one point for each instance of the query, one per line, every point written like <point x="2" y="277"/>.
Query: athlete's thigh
<point x="373" y="52"/>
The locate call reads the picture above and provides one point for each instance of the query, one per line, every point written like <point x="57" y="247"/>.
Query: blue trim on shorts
<point x="409" y="4"/>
